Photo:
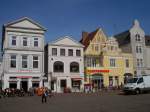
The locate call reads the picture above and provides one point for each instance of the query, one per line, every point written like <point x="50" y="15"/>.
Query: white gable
<point x="25" y="24"/>
<point x="67" y="42"/>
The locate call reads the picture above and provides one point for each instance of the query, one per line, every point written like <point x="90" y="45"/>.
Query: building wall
<point x="109" y="50"/>
<point x="147" y="60"/>
<point x="30" y="30"/>
<point x="137" y="30"/>
<point x="66" y="75"/>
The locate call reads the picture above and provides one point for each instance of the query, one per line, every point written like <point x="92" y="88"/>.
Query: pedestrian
<point x="44" y="96"/>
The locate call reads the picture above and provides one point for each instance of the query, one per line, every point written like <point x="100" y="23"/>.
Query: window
<point x="58" y="66"/>
<point x="54" y="51"/>
<point x="62" y="52"/>
<point x="93" y="62"/>
<point x="74" y="67"/>
<point x="70" y="52"/>
<point x="137" y="37"/>
<point x="112" y="62"/>
<point x="139" y="62"/>
<point x="13" y="41"/>
<point x="96" y="48"/>
<point x="140" y="80"/>
<point x="24" y="41"/>
<point x="112" y="48"/>
<point x="110" y="81"/>
<point x="78" y="53"/>
<point x="35" y="61"/>
<point x="127" y="63"/>
<point x="24" y="62"/>
<point x="13" y="61"/>
<point x="138" y="49"/>
<point x="35" y="42"/>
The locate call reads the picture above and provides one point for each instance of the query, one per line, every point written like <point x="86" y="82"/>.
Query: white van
<point x="137" y="84"/>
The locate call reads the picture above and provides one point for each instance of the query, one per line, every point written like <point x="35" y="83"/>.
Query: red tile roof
<point x="87" y="37"/>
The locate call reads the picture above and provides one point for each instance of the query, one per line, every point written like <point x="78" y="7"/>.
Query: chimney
<point x="84" y="35"/>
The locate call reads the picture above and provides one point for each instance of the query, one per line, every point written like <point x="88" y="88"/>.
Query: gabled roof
<point x="123" y="40"/>
<point x="87" y="37"/>
<point x="10" y="24"/>
<point x="66" y="41"/>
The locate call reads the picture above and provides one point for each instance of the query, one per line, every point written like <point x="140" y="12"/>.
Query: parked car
<point x="137" y="85"/>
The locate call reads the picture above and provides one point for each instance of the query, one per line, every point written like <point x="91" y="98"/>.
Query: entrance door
<point x="24" y="85"/>
<point x="97" y="82"/>
<point x="63" y="84"/>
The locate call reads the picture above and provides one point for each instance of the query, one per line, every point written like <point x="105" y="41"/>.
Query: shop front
<point x="96" y="79"/>
<point x="76" y="84"/>
<point x="13" y="82"/>
<point x="97" y="82"/>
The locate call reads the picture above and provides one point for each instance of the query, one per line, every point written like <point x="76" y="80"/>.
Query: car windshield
<point x="132" y="80"/>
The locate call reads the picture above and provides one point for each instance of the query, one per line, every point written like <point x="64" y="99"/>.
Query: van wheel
<point x="137" y="91"/>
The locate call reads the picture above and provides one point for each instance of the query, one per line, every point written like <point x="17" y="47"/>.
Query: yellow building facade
<point x="105" y="64"/>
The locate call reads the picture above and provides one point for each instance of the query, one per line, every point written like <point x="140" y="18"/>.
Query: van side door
<point x="140" y="83"/>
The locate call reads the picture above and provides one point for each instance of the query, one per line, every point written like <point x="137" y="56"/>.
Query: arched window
<point x="74" y="67"/>
<point x="138" y="38"/>
<point x="58" y="66"/>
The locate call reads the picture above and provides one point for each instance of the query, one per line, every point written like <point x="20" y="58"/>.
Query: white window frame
<point x="112" y="62"/>
<point x="36" y="40"/>
<point x="13" y="60"/>
<point x="24" y="60"/>
<point x="24" y="39"/>
<point x="13" y="36"/>
<point x="34" y="60"/>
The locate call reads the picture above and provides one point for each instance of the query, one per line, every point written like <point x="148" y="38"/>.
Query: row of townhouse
<point x="95" y="62"/>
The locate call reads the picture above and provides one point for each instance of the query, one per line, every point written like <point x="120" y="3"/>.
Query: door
<point x="63" y="84"/>
<point x="24" y="85"/>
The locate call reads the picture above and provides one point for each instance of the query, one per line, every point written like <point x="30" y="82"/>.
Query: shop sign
<point x="98" y="71"/>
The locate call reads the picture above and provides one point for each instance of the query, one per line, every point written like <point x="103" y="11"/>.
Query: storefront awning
<point x="24" y="76"/>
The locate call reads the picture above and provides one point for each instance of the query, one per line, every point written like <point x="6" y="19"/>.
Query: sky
<point x="71" y="17"/>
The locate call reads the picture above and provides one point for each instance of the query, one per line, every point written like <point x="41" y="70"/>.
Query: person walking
<point x="44" y="95"/>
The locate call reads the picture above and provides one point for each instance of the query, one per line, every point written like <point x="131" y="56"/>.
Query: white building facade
<point x="136" y="42"/>
<point x="65" y="65"/>
<point x="23" y="54"/>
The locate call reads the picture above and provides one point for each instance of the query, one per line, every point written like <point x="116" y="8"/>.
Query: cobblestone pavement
<point x="79" y="102"/>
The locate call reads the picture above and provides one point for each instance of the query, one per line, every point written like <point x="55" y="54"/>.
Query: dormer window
<point x="137" y="37"/>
